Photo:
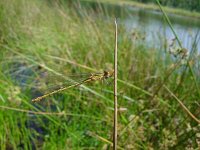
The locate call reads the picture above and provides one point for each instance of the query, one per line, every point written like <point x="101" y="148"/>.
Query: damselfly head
<point x="108" y="74"/>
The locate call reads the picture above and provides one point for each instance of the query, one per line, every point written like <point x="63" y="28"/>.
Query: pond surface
<point x="153" y="26"/>
<point x="157" y="31"/>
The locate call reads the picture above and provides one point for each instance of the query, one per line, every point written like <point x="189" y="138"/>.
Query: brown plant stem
<point x="115" y="91"/>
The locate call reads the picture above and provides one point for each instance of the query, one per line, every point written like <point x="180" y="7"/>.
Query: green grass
<point x="44" y="37"/>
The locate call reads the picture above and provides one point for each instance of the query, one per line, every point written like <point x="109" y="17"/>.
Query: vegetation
<point x="42" y="42"/>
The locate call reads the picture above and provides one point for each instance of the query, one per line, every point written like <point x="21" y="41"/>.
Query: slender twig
<point x="45" y="113"/>
<point x="102" y="139"/>
<point x="115" y="91"/>
<point x="30" y="111"/>
<point x="182" y="105"/>
<point x="169" y="23"/>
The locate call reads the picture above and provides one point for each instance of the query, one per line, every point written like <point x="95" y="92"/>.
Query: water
<point x="152" y="24"/>
<point x="157" y="31"/>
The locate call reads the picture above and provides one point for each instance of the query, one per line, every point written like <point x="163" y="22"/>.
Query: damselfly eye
<point x="106" y="74"/>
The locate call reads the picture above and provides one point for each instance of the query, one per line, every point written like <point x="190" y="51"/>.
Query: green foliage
<point x="39" y="39"/>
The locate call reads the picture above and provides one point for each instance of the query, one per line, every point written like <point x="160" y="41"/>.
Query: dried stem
<point x="31" y="112"/>
<point x="115" y="91"/>
<point x="183" y="106"/>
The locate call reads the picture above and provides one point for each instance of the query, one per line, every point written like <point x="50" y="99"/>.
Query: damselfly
<point x="92" y="77"/>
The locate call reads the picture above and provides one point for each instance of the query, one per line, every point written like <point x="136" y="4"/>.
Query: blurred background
<point x="48" y="44"/>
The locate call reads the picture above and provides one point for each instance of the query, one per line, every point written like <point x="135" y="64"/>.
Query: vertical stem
<point x="115" y="91"/>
